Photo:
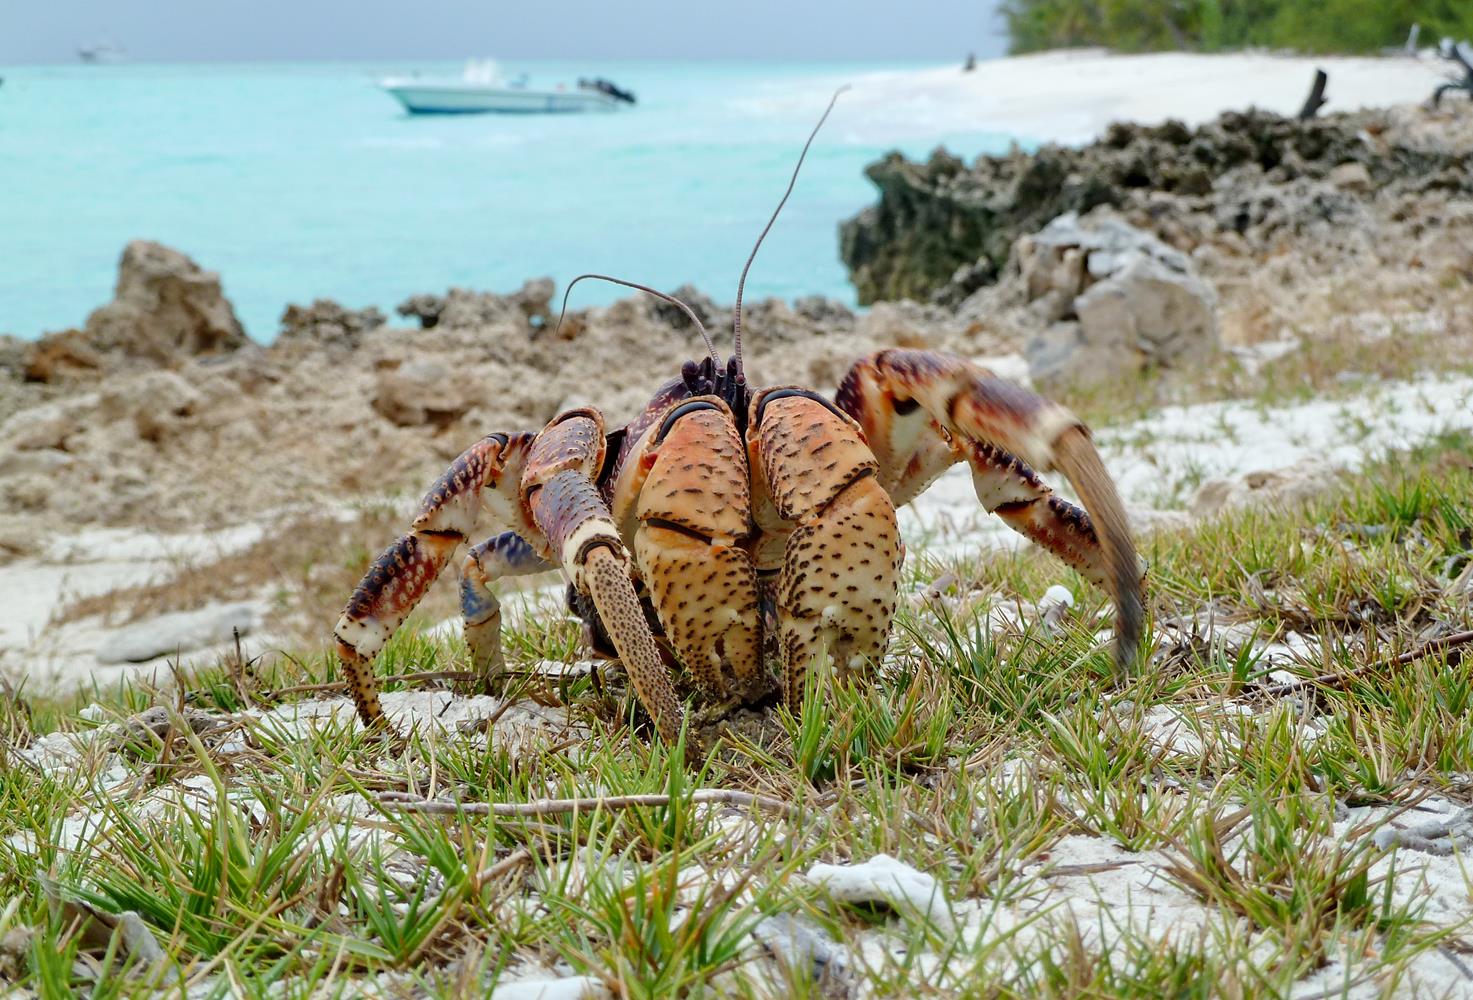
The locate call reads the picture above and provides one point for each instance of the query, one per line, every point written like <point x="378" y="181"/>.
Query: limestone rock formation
<point x="1283" y="487"/>
<point x="48" y="426"/>
<point x="180" y="632"/>
<point x="165" y="306"/>
<point x="705" y="308"/>
<point x="165" y="309"/>
<point x="1117" y="299"/>
<point x="941" y="220"/>
<point x="59" y="355"/>
<point x="328" y="324"/>
<point x="826" y="312"/>
<point x="762" y="319"/>
<point x="422" y="392"/>
<point x="460" y="308"/>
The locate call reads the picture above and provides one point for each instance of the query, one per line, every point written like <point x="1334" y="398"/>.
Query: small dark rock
<point x="424" y="307"/>
<point x="824" y="311"/>
<point x="328" y="324"/>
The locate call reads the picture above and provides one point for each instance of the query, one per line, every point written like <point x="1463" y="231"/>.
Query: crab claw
<point x="922" y="411"/>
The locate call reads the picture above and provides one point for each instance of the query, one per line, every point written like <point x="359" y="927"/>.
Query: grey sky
<point x="39" y="31"/>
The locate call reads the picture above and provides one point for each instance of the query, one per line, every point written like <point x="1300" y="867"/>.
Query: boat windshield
<point x="482" y="71"/>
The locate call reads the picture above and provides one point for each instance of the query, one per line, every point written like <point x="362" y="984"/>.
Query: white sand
<point x="92" y="562"/>
<point x="1070" y="96"/>
<point x="99" y="560"/>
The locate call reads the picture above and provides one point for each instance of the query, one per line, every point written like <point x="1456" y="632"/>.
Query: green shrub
<point x="1214" y="25"/>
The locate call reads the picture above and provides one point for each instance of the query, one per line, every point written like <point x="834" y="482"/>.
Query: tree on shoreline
<point x="1215" y="25"/>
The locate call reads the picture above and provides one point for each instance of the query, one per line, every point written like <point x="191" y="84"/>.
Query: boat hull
<point x="448" y="99"/>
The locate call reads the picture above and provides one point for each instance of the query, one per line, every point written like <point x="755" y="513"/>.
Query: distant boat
<point x="482" y="89"/>
<point x="101" y="52"/>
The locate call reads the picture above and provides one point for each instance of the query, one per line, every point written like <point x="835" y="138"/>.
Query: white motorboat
<point x="482" y="89"/>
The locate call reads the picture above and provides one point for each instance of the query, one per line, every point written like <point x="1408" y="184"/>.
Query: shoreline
<point x="1072" y="96"/>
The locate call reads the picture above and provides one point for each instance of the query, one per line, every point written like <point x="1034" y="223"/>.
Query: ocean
<point x="303" y="181"/>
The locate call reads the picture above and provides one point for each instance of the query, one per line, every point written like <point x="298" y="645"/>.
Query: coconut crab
<point x="725" y="527"/>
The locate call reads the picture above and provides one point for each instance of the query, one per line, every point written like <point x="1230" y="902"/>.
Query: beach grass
<point x="1223" y="821"/>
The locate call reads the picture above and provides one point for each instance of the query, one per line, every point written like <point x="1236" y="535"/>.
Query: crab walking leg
<point x="841" y="565"/>
<point x="503" y="555"/>
<point x="976" y="408"/>
<point x="399" y="578"/>
<point x="582" y="537"/>
<point x="693" y="510"/>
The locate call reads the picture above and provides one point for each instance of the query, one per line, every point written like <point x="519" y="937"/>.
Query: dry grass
<point x="307" y="565"/>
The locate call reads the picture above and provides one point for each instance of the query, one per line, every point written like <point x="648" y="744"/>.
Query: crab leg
<point x="841" y="563"/>
<point x="908" y="400"/>
<point x="399" y="578"/>
<point x="567" y="508"/>
<point x="503" y="555"/>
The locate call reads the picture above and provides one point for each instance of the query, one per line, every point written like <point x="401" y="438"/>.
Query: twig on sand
<point x="1339" y="678"/>
<point x="553" y="807"/>
<point x="510" y="863"/>
<point x="414" y="678"/>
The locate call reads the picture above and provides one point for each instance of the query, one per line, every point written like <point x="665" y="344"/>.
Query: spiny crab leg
<point x="902" y="397"/>
<point x="399" y="578"/>
<point x="581" y="534"/>
<point x="1007" y="487"/>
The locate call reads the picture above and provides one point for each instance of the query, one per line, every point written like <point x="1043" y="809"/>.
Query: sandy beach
<point x="1071" y="96"/>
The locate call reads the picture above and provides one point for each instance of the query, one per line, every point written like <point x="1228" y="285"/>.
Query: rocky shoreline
<point x="942" y="229"/>
<point x="1153" y="250"/>
<point x="188" y="427"/>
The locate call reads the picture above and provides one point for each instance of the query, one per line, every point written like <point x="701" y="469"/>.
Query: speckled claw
<point x="693" y="515"/>
<point x="842" y="555"/>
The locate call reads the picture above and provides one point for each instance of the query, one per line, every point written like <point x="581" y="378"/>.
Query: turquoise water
<point x="304" y="181"/>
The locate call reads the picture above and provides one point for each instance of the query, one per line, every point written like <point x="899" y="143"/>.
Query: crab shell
<point x="721" y="530"/>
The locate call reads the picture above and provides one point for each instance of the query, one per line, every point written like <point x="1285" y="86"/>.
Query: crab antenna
<point x="742" y="284"/>
<point x="643" y="288"/>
